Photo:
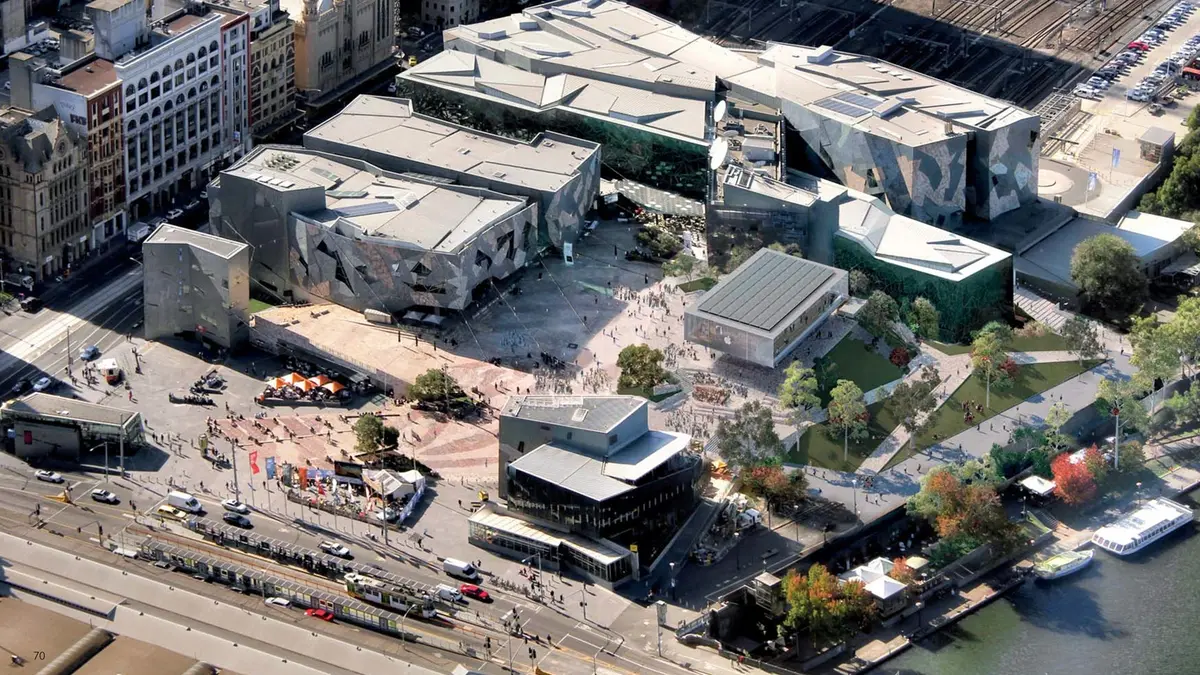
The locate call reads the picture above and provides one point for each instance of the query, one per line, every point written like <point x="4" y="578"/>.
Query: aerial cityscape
<point x="599" y="336"/>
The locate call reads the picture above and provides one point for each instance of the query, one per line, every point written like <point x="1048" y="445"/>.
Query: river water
<point x="1138" y="615"/>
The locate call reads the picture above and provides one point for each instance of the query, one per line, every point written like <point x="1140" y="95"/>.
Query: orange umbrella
<point x="334" y="387"/>
<point x="276" y="382"/>
<point x="319" y="380"/>
<point x="292" y="378"/>
<point x="304" y="385"/>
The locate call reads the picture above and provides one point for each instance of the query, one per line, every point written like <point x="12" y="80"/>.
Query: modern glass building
<point x="584" y="476"/>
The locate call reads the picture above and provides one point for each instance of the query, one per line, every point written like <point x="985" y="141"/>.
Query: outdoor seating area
<point x="296" y="387"/>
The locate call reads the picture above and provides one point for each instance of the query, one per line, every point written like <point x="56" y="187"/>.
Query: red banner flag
<point x="303" y="479"/>
<point x="254" y="462"/>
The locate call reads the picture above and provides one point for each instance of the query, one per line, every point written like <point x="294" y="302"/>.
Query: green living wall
<point x="659" y="161"/>
<point x="964" y="305"/>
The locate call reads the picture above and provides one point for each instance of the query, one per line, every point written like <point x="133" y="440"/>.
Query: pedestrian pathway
<point x="954" y="371"/>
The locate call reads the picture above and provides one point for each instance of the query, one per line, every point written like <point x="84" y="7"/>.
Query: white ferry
<point x="1151" y="521"/>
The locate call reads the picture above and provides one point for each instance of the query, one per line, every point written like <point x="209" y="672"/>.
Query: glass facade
<point x="564" y="554"/>
<point x="646" y="515"/>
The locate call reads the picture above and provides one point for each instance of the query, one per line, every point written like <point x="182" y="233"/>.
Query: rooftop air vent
<point x="579" y="415"/>
<point x="819" y="54"/>
<point x="464" y="151"/>
<point x="498" y="174"/>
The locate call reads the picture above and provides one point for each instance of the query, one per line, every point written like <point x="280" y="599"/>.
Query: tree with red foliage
<point x="902" y="572"/>
<point x="1009" y="368"/>
<point x="900" y="357"/>
<point x="1073" y="482"/>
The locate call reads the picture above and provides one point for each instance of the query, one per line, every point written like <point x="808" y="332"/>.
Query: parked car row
<point x="1136" y="50"/>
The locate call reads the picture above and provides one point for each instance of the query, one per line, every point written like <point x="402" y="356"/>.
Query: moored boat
<point x="1062" y="564"/>
<point x="1150" y="522"/>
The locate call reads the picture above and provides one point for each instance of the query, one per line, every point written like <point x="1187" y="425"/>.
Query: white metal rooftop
<point x="663" y="113"/>
<point x="428" y="215"/>
<point x="610" y="41"/>
<point x="389" y="126"/>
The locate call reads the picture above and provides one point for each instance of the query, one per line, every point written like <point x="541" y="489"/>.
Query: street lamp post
<point x="854" y="481"/>
<point x="737" y="537"/>
<point x="1117" y="439"/>
<point x="987" y="370"/>
<point x="920" y="615"/>
<point x="404" y="635"/>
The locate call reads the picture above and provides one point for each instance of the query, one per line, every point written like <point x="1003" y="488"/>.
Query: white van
<point x="184" y="501"/>
<point x="449" y="593"/>
<point x="460" y="569"/>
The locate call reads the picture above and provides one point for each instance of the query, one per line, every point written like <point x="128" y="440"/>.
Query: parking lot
<point x="1145" y="71"/>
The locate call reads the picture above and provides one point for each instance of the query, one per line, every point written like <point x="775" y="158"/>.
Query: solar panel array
<point x="859" y="100"/>
<point x="843" y="108"/>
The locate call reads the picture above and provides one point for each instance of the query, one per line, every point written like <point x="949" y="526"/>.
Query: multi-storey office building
<point x="88" y="98"/>
<point x="44" y="222"/>
<point x="339" y="44"/>
<point x="272" y="69"/>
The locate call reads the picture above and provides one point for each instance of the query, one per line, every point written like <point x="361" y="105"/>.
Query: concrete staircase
<point x="1042" y="310"/>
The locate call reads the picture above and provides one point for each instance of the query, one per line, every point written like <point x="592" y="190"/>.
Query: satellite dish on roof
<point x="719" y="111"/>
<point x="718" y="153"/>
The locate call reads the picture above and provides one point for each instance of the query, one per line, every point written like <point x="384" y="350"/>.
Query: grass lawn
<point x="818" y="447"/>
<point x="638" y="391"/>
<point x="258" y="305"/>
<point x="864" y="366"/>
<point x="1050" y="342"/>
<point x="702" y="284"/>
<point x="1032" y="379"/>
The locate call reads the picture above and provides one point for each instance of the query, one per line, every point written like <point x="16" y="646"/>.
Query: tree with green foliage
<point x="1184" y="406"/>
<point x="826" y="370"/>
<point x="792" y="249"/>
<point x="1082" y="338"/>
<point x="683" y="265"/>
<point x="435" y="386"/>
<point x="999" y="330"/>
<point x="1121" y="400"/>
<point x="860" y="283"/>
<point x="924" y="318"/>
<point x="641" y="368"/>
<point x="749" y="439"/>
<point x="1184" y="332"/>
<point x="738" y="255"/>
<point x="830" y="610"/>
<point x="368" y="433"/>
<point x="1108" y="273"/>
<point x="878" y="313"/>
<point x="847" y="414"/>
<point x="1179" y="194"/>
<point x="659" y="242"/>
<point x="1155" y="352"/>
<point x="988" y="358"/>
<point x="914" y="398"/>
<point x="798" y="392"/>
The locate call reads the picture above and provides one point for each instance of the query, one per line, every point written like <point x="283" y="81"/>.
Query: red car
<point x="322" y="614"/>
<point x="1140" y="46"/>
<point x="473" y="591"/>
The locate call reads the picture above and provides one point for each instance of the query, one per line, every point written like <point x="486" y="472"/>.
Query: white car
<point x="334" y="548"/>
<point x="48" y="476"/>
<point x="104" y="496"/>
<point x="235" y="506"/>
<point x="1137" y="96"/>
<point x="278" y="602"/>
<point x="42" y="384"/>
<point x="174" y="214"/>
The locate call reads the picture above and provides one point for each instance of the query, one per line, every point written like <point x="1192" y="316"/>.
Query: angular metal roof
<point x="765" y="289"/>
